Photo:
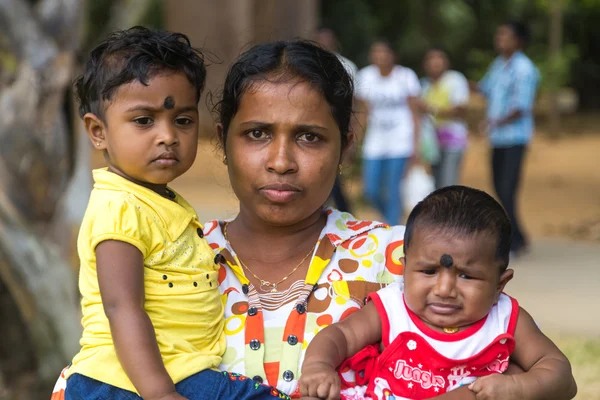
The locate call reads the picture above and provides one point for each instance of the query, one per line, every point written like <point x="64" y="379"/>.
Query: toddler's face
<point x="455" y="296"/>
<point x="151" y="132"/>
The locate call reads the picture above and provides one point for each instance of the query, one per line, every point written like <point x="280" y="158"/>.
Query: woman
<point x="445" y="97"/>
<point x="289" y="266"/>
<point x="390" y="94"/>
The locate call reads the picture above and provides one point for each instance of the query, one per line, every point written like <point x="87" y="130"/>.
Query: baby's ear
<point x="504" y="279"/>
<point x="96" y="130"/>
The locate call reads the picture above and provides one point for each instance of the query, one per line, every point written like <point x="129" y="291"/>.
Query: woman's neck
<point x="274" y="243"/>
<point x="386" y="71"/>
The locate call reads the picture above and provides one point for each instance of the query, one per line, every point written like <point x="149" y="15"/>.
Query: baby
<point x="448" y="324"/>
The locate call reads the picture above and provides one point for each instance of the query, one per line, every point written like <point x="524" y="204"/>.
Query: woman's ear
<point x="349" y="147"/>
<point x="96" y="130"/>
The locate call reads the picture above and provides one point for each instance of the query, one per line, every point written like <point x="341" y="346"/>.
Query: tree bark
<point x="36" y="165"/>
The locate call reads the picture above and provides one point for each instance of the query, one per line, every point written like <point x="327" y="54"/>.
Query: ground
<point x="558" y="282"/>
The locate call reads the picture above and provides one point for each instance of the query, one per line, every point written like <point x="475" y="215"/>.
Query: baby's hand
<point x="497" y="386"/>
<point x="319" y="380"/>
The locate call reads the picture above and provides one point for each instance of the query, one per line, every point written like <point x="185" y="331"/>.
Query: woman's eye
<point x="309" y="137"/>
<point x="184" y="121"/>
<point x="143" y="121"/>
<point x="465" y="276"/>
<point x="257" y="134"/>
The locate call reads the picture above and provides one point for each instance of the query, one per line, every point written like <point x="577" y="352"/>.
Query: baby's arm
<point x="120" y="268"/>
<point x="548" y="373"/>
<point x="332" y="346"/>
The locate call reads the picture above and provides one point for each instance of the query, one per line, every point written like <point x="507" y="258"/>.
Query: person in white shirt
<point x="326" y="37"/>
<point x="390" y="93"/>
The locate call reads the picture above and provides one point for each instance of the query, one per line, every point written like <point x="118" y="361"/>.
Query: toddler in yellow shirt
<point x="152" y="314"/>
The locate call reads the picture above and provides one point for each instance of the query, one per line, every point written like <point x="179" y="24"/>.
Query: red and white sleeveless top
<point x="420" y="363"/>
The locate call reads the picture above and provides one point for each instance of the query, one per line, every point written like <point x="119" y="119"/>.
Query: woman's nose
<point x="282" y="156"/>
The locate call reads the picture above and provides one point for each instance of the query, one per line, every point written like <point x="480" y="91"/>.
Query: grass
<point x="584" y="354"/>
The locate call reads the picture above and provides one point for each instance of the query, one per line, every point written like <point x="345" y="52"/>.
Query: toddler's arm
<point x="332" y="346"/>
<point x="120" y="268"/>
<point x="548" y="373"/>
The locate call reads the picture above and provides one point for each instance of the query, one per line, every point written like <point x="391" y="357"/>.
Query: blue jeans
<point x="207" y="384"/>
<point x="382" y="185"/>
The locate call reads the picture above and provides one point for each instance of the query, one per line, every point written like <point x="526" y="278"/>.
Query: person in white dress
<point x="390" y="93"/>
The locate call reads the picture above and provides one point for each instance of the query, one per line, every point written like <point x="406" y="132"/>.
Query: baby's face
<point x="451" y="280"/>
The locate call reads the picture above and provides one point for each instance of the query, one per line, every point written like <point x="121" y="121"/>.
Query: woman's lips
<point x="280" y="192"/>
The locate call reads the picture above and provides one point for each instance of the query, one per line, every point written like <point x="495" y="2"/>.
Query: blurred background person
<point x="510" y="87"/>
<point x="327" y="38"/>
<point x="390" y="93"/>
<point x="445" y="97"/>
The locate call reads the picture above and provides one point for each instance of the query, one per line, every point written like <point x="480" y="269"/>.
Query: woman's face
<point x="283" y="149"/>
<point x="436" y="63"/>
<point x="381" y="55"/>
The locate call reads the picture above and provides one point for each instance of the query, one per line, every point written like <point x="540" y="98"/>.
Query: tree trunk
<point x="36" y="165"/>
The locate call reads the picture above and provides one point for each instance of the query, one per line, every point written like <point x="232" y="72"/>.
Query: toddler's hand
<point x="319" y="380"/>
<point x="497" y="386"/>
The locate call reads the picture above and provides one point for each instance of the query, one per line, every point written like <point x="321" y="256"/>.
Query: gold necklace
<point x="450" y="330"/>
<point x="267" y="286"/>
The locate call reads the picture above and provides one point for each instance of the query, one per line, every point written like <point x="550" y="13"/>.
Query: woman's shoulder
<point x="343" y="226"/>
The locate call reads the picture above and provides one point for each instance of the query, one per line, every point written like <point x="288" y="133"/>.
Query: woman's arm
<point x="120" y="268"/>
<point x="332" y="346"/>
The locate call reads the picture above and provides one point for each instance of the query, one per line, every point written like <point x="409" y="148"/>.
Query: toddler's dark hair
<point x="135" y="54"/>
<point x="464" y="211"/>
<point x="288" y="60"/>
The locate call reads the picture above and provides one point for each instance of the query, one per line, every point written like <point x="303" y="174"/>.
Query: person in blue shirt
<point x="510" y="87"/>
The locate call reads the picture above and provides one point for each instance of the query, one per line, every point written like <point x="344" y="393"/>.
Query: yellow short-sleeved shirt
<point x="180" y="280"/>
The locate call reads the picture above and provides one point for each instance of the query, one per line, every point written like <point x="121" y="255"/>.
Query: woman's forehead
<point x="292" y="101"/>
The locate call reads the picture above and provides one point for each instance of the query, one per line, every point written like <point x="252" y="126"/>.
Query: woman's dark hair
<point x="383" y="42"/>
<point x="135" y="54"/>
<point x="464" y="211"/>
<point x="286" y="61"/>
<point x="439" y="49"/>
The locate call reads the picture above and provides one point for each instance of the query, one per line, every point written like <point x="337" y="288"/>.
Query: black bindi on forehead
<point x="169" y="103"/>
<point x="446" y="261"/>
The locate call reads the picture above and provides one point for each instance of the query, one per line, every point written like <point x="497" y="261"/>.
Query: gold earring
<point x="225" y="160"/>
<point x="340" y="169"/>
<point x="97" y="143"/>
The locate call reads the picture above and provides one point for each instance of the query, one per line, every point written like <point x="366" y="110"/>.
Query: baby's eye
<point x="429" y="271"/>
<point x="465" y="276"/>
<point x="309" y="137"/>
<point x="143" y="121"/>
<point x="184" y="121"/>
<point x="257" y="134"/>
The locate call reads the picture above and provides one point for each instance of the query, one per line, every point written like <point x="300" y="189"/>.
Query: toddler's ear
<point x="96" y="130"/>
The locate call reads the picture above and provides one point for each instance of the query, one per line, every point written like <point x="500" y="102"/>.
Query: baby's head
<point x="138" y="98"/>
<point x="456" y="246"/>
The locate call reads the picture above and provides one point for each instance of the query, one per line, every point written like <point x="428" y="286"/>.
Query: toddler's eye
<point x="184" y="121"/>
<point x="143" y="121"/>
